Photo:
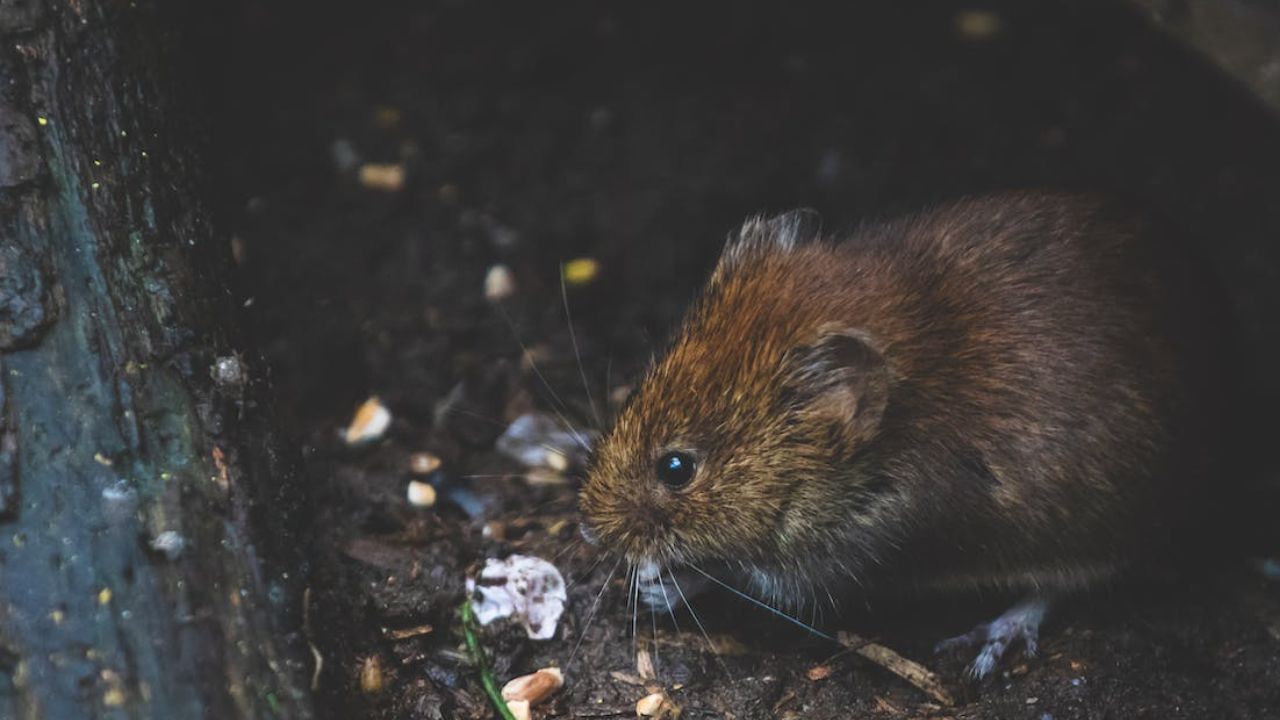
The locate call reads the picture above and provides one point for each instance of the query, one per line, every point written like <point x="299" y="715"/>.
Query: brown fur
<point x="1009" y="390"/>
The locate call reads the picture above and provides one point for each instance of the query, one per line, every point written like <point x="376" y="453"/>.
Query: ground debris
<point x="537" y="440"/>
<point x="406" y="633"/>
<point x="371" y="420"/>
<point x="913" y="672"/>
<point x="527" y="588"/>
<point x="658" y="705"/>
<point x="534" y="687"/>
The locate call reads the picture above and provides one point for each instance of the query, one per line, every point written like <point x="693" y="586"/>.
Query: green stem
<point x="482" y="664"/>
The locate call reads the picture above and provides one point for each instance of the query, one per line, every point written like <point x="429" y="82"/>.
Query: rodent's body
<point x="1014" y="391"/>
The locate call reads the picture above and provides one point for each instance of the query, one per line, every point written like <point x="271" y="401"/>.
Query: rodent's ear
<point x="760" y="235"/>
<point x="841" y="378"/>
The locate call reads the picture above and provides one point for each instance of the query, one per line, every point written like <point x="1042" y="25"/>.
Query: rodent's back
<point x="1046" y="343"/>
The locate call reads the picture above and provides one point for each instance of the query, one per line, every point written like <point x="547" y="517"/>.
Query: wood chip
<point x="922" y="677"/>
<point x="883" y="705"/>
<point x="382" y="176"/>
<point x="406" y="633"/>
<point x="819" y="672"/>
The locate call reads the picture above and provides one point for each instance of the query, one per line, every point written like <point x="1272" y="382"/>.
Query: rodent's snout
<point x="628" y="521"/>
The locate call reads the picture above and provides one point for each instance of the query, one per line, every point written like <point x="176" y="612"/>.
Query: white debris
<point x="421" y="494"/>
<point x="499" y="283"/>
<point x="538" y="440"/>
<point x="170" y="543"/>
<point x="528" y="589"/>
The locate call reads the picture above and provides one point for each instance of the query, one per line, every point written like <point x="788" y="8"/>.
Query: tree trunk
<point x="146" y="513"/>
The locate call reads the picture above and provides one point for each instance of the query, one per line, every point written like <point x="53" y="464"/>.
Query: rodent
<point x="1016" y="391"/>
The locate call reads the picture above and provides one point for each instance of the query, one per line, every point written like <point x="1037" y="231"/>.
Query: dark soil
<point x="638" y="134"/>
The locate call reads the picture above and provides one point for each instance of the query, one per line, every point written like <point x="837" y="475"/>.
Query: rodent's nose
<point x="588" y="534"/>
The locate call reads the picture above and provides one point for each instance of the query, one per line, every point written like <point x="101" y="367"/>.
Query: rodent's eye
<point x="675" y="469"/>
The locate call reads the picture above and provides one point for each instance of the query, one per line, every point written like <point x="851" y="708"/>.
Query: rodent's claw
<point x="1022" y="621"/>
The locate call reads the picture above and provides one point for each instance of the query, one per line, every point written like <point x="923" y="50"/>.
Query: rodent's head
<point x="737" y="444"/>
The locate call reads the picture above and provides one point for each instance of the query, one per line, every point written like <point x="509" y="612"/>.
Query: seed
<point x="421" y="494"/>
<point x="534" y="687"/>
<point x="499" y="283"/>
<point x="371" y="678"/>
<point x="423" y="463"/>
<point x="371" y="420"/>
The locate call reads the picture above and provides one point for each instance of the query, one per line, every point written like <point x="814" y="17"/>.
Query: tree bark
<point x="147" y="517"/>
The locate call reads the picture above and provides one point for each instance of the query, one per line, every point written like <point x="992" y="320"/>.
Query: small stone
<point x="423" y="463"/>
<point x="499" y="283"/>
<point x="229" y="370"/>
<point x="421" y="494"/>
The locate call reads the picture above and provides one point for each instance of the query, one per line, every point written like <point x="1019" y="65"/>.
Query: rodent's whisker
<point x="693" y="613"/>
<point x="595" y="605"/>
<point x="572" y="582"/>
<point x="761" y="603"/>
<point x="635" y="610"/>
<point x="573" y="545"/>
<point x="577" y="354"/>
<point x="666" y="599"/>
<point x="558" y="405"/>
<point x="653" y="620"/>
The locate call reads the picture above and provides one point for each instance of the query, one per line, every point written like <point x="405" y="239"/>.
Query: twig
<point x="482" y="664"/>
<point x="306" y="631"/>
<point x="407" y="633"/>
<point x="913" y="672"/>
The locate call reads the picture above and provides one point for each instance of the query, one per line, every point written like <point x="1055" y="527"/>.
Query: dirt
<point x="638" y="135"/>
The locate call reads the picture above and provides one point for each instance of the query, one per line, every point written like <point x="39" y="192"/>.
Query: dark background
<point x="639" y="134"/>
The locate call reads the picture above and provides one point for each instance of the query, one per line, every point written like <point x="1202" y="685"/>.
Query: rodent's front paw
<point x="1022" y="621"/>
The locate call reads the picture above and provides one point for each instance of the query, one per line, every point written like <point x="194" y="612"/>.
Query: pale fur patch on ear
<point x="763" y="234"/>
